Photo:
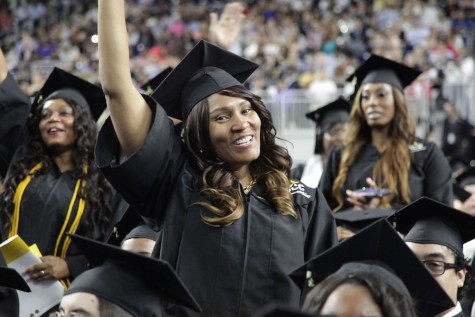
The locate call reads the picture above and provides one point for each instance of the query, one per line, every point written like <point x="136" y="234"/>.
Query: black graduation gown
<point x="46" y="199"/>
<point x="429" y="174"/>
<point x="232" y="270"/>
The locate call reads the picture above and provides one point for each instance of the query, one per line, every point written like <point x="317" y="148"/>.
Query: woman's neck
<point x="380" y="138"/>
<point x="243" y="175"/>
<point x="64" y="161"/>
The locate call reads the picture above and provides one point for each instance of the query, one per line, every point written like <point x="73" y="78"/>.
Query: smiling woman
<point x="233" y="222"/>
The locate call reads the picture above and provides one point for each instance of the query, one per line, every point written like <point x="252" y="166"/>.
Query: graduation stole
<point x="63" y="241"/>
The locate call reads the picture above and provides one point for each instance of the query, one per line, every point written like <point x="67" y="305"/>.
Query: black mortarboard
<point x="11" y="278"/>
<point x="355" y="220"/>
<point x="467" y="177"/>
<point x="64" y="85"/>
<point x="336" y="111"/>
<point x="379" y="242"/>
<point x="205" y="70"/>
<point x="378" y="69"/>
<point x="142" y="231"/>
<point x="429" y="221"/>
<point x="460" y="193"/>
<point x="152" y="281"/>
<point x="153" y="83"/>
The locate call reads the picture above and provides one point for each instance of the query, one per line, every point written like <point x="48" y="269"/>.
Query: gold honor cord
<point x="81" y="206"/>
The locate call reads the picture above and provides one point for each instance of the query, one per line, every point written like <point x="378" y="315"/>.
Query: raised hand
<point x="225" y="30"/>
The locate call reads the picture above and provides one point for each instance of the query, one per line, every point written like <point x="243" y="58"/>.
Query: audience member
<point x="122" y="284"/>
<point x="435" y="233"/>
<point x="141" y="240"/>
<point x="223" y="197"/>
<point x="372" y="273"/>
<point x="330" y="122"/>
<point x="52" y="185"/>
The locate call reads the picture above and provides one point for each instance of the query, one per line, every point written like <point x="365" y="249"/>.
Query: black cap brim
<point x="93" y="98"/>
<point x="428" y="221"/>
<point x="377" y="69"/>
<point x="156" y="272"/>
<point x="11" y="278"/>
<point x="356" y="220"/>
<point x="205" y="70"/>
<point x="336" y="111"/>
<point x="380" y="242"/>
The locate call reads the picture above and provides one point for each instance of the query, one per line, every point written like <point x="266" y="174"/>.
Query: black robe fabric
<point x="46" y="199"/>
<point x="429" y="174"/>
<point x="232" y="270"/>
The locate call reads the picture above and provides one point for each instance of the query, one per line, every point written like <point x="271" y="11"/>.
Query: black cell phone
<point x="370" y="192"/>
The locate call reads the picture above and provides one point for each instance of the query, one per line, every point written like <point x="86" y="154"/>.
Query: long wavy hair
<point x="391" y="302"/>
<point x="97" y="192"/>
<point x="388" y="171"/>
<point x="272" y="168"/>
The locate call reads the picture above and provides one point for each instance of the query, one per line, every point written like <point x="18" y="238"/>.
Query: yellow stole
<point x="63" y="241"/>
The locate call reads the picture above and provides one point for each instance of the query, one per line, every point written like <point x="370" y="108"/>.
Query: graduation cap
<point x="380" y="248"/>
<point x="151" y="280"/>
<point x="142" y="231"/>
<point x="377" y="69"/>
<point x="467" y="177"/>
<point x="333" y="112"/>
<point x="460" y="193"/>
<point x="205" y="70"/>
<point x="153" y="83"/>
<point x="12" y="279"/>
<point x="429" y="221"/>
<point x="355" y="220"/>
<point x="61" y="84"/>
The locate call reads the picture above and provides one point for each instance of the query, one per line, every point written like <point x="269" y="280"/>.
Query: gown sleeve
<point x="146" y="178"/>
<point x="14" y="110"/>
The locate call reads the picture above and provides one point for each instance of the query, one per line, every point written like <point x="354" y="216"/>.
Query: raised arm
<point x="129" y="112"/>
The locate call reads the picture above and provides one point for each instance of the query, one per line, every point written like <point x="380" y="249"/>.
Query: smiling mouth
<point x="245" y="140"/>
<point x="374" y="115"/>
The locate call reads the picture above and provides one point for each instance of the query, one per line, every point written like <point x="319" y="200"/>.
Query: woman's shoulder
<point x="301" y="192"/>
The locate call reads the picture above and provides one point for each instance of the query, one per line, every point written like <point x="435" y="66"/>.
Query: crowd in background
<point x="296" y="42"/>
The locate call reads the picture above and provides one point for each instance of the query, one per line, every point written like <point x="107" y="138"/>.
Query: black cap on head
<point x="378" y="69"/>
<point x="153" y="83"/>
<point x="63" y="85"/>
<point x="12" y="279"/>
<point x="142" y="231"/>
<point x="398" y="266"/>
<point x="467" y="177"/>
<point x="205" y="70"/>
<point x="334" y="112"/>
<point x="460" y="193"/>
<point x="152" y="281"/>
<point x="428" y="221"/>
<point x="355" y="220"/>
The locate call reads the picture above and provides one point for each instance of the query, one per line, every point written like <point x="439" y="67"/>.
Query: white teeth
<point x="245" y="139"/>
<point x="54" y="130"/>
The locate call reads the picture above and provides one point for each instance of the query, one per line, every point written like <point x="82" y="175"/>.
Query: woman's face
<point x="333" y="136"/>
<point x="57" y="125"/>
<point x="80" y="304"/>
<point x="234" y="129"/>
<point x="377" y="104"/>
<point x="349" y="300"/>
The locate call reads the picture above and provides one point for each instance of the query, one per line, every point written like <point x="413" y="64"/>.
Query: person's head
<point x="358" y="294"/>
<point x="372" y="273"/>
<point x="123" y="281"/>
<point x="436" y="233"/>
<point x="87" y="304"/>
<point x="331" y="121"/>
<point x="141" y="240"/>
